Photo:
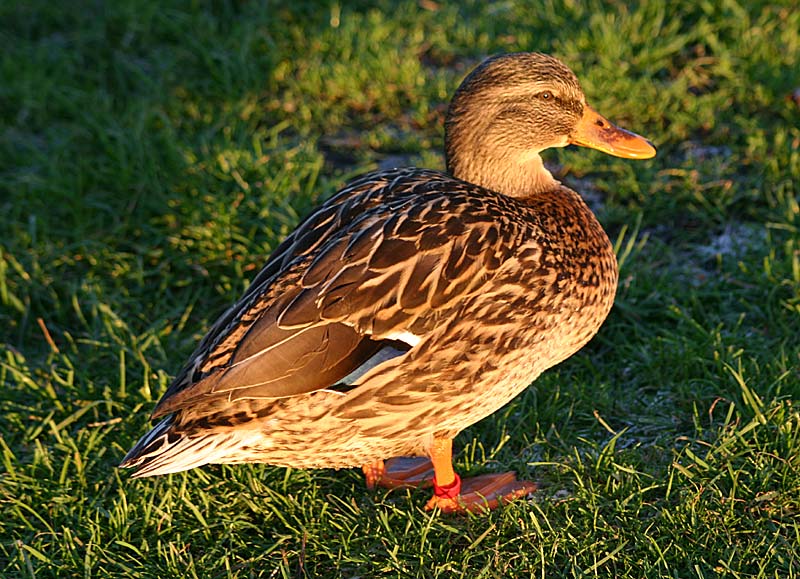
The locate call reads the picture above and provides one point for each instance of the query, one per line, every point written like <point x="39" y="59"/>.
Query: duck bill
<point x="595" y="131"/>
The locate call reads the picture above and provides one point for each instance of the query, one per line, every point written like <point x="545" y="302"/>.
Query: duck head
<point x="512" y="107"/>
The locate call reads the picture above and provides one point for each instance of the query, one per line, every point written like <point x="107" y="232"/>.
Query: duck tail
<point x="165" y="450"/>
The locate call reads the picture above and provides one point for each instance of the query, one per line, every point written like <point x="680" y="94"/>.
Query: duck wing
<point x="364" y="278"/>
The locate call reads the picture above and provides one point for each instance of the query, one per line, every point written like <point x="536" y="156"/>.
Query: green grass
<point x="153" y="153"/>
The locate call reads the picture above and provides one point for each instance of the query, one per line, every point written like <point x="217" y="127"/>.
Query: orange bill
<point x="595" y="131"/>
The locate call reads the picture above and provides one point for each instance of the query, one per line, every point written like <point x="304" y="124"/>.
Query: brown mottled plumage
<point x="413" y="303"/>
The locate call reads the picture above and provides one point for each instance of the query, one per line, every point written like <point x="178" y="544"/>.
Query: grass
<point x="153" y="153"/>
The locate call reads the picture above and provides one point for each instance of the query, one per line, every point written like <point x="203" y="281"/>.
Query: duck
<point x="411" y="304"/>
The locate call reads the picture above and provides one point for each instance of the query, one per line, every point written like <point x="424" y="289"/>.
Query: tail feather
<point x="164" y="451"/>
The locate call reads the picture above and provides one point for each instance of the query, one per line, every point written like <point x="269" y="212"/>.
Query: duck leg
<point x="451" y="494"/>
<point x="484" y="492"/>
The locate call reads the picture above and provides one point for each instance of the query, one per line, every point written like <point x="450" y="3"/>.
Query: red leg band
<point x="450" y="491"/>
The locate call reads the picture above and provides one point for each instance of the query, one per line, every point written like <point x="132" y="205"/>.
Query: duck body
<point x="507" y="287"/>
<point x="408" y="306"/>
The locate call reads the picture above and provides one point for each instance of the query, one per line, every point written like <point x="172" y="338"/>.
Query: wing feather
<point x="382" y="258"/>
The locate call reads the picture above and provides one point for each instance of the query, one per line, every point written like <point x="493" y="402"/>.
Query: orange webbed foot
<point x="476" y="494"/>
<point x="480" y="493"/>
<point x="374" y="472"/>
<point x="399" y="472"/>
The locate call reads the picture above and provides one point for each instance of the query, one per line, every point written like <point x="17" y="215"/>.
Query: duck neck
<point x="516" y="175"/>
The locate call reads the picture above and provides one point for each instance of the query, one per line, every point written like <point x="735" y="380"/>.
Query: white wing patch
<point x="381" y="356"/>
<point x="405" y="337"/>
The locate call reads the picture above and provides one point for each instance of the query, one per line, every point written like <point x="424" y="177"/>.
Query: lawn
<point x="152" y="154"/>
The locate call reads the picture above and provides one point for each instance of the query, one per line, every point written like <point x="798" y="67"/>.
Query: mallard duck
<point x="411" y="304"/>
